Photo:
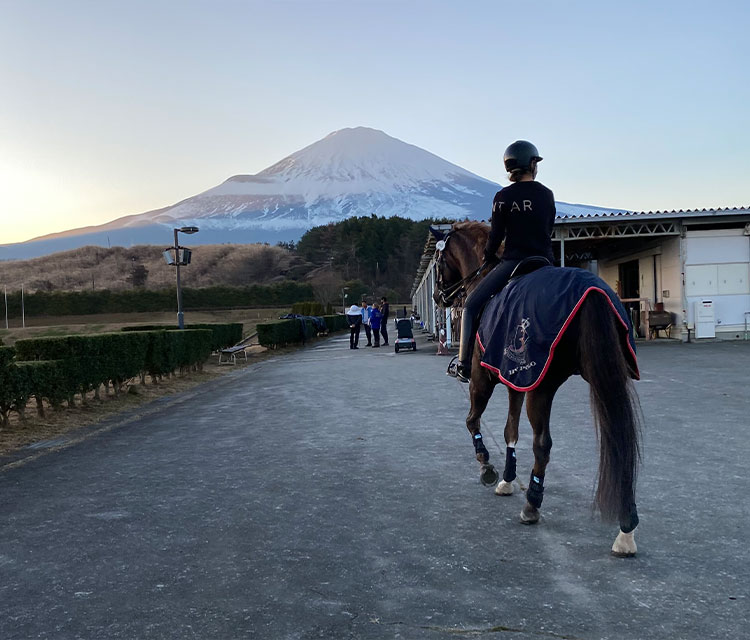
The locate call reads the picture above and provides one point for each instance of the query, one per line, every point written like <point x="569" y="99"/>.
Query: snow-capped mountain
<point x="351" y="172"/>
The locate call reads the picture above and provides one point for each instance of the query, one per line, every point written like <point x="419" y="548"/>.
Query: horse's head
<point x="458" y="255"/>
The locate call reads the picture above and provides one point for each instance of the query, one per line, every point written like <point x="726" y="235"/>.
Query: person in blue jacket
<point x="376" y="317"/>
<point x="366" y="310"/>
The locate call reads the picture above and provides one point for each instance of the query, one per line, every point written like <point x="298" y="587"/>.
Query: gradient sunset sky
<point x="115" y="108"/>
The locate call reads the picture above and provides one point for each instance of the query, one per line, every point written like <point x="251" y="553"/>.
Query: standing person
<point x="366" y="322"/>
<point x="376" y="318"/>
<point x="522" y="214"/>
<point x="354" y="318"/>
<point x="384" y="310"/>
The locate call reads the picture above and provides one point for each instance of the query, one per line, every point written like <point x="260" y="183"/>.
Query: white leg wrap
<point x="624" y="546"/>
<point x="504" y="488"/>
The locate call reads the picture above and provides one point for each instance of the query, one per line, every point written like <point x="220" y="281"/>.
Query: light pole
<point x="344" y="296"/>
<point x="180" y="260"/>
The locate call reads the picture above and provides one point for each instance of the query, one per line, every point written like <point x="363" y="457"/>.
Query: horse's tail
<point x="615" y="407"/>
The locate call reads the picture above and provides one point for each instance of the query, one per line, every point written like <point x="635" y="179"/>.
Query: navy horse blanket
<point x="522" y="325"/>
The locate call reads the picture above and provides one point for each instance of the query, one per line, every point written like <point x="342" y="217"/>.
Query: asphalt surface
<point x="333" y="493"/>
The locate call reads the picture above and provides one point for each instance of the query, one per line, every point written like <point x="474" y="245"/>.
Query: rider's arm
<point x="497" y="231"/>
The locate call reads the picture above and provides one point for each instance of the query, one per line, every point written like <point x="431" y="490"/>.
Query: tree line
<point x="380" y="253"/>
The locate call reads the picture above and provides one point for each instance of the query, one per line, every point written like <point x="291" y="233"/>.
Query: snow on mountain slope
<point x="349" y="162"/>
<point x="351" y="172"/>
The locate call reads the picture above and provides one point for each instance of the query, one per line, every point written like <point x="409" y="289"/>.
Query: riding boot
<point x="463" y="371"/>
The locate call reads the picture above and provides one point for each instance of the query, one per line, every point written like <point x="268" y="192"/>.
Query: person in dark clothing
<point x="384" y="310"/>
<point x="354" y="318"/>
<point x="523" y="214"/>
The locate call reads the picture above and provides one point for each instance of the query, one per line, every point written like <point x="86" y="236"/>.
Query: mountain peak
<point x="362" y="160"/>
<point x="359" y="132"/>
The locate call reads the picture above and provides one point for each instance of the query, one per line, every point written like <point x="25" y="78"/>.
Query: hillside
<point x="371" y="255"/>
<point x="119" y="268"/>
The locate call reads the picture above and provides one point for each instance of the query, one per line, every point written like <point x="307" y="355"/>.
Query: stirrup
<point x="452" y="370"/>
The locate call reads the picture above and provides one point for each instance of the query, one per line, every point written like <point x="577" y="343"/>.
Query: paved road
<point x="333" y="494"/>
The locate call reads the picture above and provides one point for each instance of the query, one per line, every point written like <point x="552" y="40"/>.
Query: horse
<point x="590" y="346"/>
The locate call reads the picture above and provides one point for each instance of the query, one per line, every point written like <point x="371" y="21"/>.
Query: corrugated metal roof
<point x="635" y="215"/>
<point x="583" y="213"/>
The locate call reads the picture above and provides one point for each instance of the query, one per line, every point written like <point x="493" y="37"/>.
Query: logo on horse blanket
<point x="521" y="326"/>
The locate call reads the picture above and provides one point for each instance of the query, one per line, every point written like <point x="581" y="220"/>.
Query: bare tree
<point x="326" y="287"/>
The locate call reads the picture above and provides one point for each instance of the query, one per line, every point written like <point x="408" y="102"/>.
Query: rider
<point x="523" y="214"/>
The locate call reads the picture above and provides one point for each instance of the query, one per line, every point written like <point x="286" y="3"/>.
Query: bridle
<point x="450" y="294"/>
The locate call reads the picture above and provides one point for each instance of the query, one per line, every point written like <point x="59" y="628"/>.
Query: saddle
<point x="529" y="265"/>
<point x="521" y="325"/>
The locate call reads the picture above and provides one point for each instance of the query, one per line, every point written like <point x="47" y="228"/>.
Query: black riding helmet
<point x="520" y="155"/>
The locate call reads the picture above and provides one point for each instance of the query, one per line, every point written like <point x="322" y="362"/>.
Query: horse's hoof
<point x="530" y="515"/>
<point x="488" y="475"/>
<point x="504" y="488"/>
<point x="624" y="546"/>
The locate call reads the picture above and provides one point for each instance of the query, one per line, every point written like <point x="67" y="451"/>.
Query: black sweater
<point x="523" y="214"/>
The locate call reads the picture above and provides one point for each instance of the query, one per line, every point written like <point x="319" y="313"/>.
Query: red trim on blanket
<point x="557" y="339"/>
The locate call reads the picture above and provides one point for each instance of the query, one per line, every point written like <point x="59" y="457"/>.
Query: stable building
<point x="691" y="267"/>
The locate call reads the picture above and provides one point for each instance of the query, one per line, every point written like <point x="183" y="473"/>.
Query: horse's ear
<point x="439" y="235"/>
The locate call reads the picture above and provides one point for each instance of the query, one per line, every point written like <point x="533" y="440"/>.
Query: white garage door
<point x="717" y="267"/>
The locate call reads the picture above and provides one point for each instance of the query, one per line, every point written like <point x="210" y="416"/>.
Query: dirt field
<point x="68" y="419"/>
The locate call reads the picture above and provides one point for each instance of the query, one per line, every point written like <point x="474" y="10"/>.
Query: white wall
<point x="717" y="268"/>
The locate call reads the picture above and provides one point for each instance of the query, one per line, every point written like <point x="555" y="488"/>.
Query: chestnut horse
<point x="590" y="346"/>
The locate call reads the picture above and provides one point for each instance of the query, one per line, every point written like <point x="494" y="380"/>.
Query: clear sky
<point x="114" y="108"/>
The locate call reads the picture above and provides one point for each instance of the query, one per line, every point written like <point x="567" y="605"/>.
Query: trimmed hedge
<point x="89" y="361"/>
<point x="336" y="323"/>
<point x="6" y="355"/>
<point x="223" y="335"/>
<point x="311" y="309"/>
<point x="56" y="369"/>
<point x="47" y="380"/>
<point x="283" y="332"/>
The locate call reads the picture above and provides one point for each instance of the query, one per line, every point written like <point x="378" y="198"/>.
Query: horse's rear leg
<point x="538" y="409"/>
<point x="480" y="391"/>
<point x="515" y="404"/>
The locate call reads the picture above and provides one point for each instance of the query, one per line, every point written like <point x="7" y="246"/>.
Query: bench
<point x="231" y="354"/>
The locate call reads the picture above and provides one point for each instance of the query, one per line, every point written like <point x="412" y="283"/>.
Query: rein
<point x="448" y="296"/>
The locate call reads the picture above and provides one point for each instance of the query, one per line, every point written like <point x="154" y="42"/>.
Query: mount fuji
<point x="350" y="172"/>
